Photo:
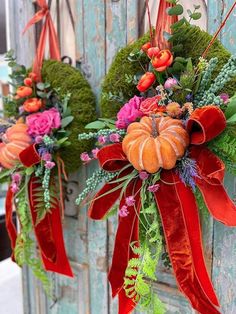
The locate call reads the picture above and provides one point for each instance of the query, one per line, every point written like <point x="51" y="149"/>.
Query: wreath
<point x="163" y="158"/>
<point x="50" y="104"/>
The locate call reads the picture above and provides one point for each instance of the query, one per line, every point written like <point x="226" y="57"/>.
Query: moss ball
<point x="190" y="40"/>
<point x="82" y="104"/>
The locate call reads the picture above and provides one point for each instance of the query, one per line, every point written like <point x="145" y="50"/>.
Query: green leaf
<point x="29" y="171"/>
<point x="66" y="121"/>
<point x="196" y="16"/>
<point x="231" y="107"/>
<point x="178" y="24"/>
<point x="40" y="86"/>
<point x="42" y="94"/>
<point x="189" y="12"/>
<point x="62" y="140"/>
<point x="232" y="119"/>
<point x="196" y="7"/>
<point x="96" y="125"/>
<point x="5" y="173"/>
<point x="180" y="59"/>
<point x="176" y="10"/>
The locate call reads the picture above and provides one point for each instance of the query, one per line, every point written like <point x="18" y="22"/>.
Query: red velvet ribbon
<point x="48" y="232"/>
<point x="178" y="212"/>
<point x="48" y="31"/>
<point x="10" y="226"/>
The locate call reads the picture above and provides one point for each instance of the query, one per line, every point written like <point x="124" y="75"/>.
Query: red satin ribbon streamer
<point x="48" y="232"/>
<point x="11" y="228"/>
<point x="49" y="31"/>
<point x="178" y="211"/>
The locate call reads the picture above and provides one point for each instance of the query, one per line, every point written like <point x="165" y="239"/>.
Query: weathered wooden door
<point x="102" y="27"/>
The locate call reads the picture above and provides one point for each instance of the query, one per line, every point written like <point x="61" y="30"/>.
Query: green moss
<point x="114" y="81"/>
<point x="191" y="41"/>
<point x="82" y="104"/>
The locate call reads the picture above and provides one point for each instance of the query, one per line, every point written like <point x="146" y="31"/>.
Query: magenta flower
<point x="15" y="188"/>
<point x="130" y="201"/>
<point x="85" y="157"/>
<point x="123" y="212"/>
<point x="95" y="153"/>
<point x="224" y="97"/>
<point x="154" y="188"/>
<point x="47" y="157"/>
<point x="16" y="178"/>
<point x="170" y="83"/>
<point x="38" y="139"/>
<point x="129" y="113"/>
<point x="49" y="164"/>
<point x="102" y="139"/>
<point x="114" y="138"/>
<point x="143" y="175"/>
<point x="43" y="123"/>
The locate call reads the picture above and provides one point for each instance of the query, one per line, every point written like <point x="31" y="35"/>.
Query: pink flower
<point x="123" y="212"/>
<point x="14" y="188"/>
<point x="43" y="123"/>
<point x="170" y="83"/>
<point x="114" y="138"/>
<point x="21" y="109"/>
<point x="85" y="157"/>
<point x="16" y="178"/>
<point x="224" y="97"/>
<point x="49" y="164"/>
<point x="102" y="139"/>
<point x="130" y="201"/>
<point x="95" y="152"/>
<point x="47" y="157"/>
<point x="153" y="188"/>
<point x="150" y="105"/>
<point x="38" y="139"/>
<point x="129" y="113"/>
<point x="143" y="175"/>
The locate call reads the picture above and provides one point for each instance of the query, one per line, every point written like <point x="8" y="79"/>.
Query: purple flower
<point x="114" y="138"/>
<point x="143" y="175"/>
<point x="102" y="139"/>
<point x="224" y="97"/>
<point x="47" y="157"/>
<point x="129" y="112"/>
<point x="189" y="97"/>
<point x="123" y="212"/>
<point x="187" y="170"/>
<point x="21" y="109"/>
<point x="130" y="201"/>
<point x="170" y="83"/>
<point x="85" y="157"/>
<point x="38" y="139"/>
<point x="49" y="164"/>
<point x="95" y="153"/>
<point x="154" y="188"/>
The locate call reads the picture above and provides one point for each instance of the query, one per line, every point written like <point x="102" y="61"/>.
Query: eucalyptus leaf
<point x="66" y="121"/>
<point x="176" y="10"/>
<point x="96" y="125"/>
<point x="40" y="86"/>
<point x="196" y="16"/>
<point x="42" y="94"/>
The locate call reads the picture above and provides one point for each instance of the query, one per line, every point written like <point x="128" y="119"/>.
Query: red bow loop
<point x="205" y="124"/>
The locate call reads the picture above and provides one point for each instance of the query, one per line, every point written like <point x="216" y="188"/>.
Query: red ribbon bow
<point x="48" y="231"/>
<point x="178" y="211"/>
<point x="47" y="30"/>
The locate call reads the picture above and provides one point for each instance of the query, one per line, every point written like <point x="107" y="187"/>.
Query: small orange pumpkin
<point x="155" y="143"/>
<point x="15" y="140"/>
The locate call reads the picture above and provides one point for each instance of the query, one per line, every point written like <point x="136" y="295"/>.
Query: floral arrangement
<point x="30" y="147"/>
<point x="162" y="158"/>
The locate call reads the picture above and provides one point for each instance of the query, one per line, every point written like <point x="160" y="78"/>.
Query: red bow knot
<point x="178" y="211"/>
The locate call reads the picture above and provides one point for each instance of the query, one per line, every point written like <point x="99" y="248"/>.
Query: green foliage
<point x="81" y="103"/>
<point x="141" y="269"/>
<point x="201" y="204"/>
<point x="115" y="82"/>
<point x="225" y="147"/>
<point x="25" y="251"/>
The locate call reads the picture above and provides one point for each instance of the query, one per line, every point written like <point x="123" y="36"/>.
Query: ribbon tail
<point x="10" y="226"/>
<point x="218" y="202"/>
<point x="126" y="305"/>
<point x="53" y="43"/>
<point x="35" y="19"/>
<point x="122" y="250"/>
<point x="178" y="231"/>
<point x="49" y="234"/>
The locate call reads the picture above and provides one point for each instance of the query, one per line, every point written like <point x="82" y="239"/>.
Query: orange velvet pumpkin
<point x="155" y="143"/>
<point x="15" y="140"/>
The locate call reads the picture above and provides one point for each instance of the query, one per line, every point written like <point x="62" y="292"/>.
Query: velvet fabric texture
<point x="178" y="211"/>
<point x="10" y="226"/>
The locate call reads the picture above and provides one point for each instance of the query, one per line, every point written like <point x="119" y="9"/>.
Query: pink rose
<point x="170" y="83"/>
<point x="43" y="123"/>
<point x="129" y="112"/>
<point x="114" y="138"/>
<point x="150" y="105"/>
